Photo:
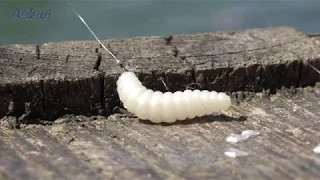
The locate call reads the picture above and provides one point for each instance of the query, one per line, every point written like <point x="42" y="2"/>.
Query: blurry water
<point x="131" y="18"/>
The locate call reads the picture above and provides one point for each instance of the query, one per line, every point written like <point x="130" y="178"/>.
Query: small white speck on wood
<point x="317" y="149"/>
<point x="249" y="133"/>
<point x="234" y="138"/>
<point x="233" y="153"/>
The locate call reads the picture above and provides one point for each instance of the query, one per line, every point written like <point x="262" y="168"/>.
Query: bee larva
<point x="167" y="107"/>
<point x="163" y="107"/>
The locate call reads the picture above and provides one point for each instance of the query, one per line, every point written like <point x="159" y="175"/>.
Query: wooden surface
<point x="59" y="78"/>
<point x="122" y="147"/>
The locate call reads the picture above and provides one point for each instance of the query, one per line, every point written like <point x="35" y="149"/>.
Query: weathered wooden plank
<point x="59" y="155"/>
<point x="288" y="123"/>
<point x="32" y="155"/>
<point x="59" y="78"/>
<point x="14" y="167"/>
<point x="113" y="160"/>
<point x="120" y="147"/>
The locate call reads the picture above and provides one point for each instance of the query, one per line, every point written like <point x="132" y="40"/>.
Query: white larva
<point x="164" y="107"/>
<point x="167" y="107"/>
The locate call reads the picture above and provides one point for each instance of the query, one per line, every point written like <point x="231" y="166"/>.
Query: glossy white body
<point x="167" y="107"/>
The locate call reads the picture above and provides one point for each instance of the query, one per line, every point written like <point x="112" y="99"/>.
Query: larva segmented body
<point x="167" y="107"/>
<point x="163" y="107"/>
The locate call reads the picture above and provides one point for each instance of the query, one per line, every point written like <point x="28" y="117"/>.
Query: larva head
<point x="127" y="74"/>
<point x="127" y="79"/>
<point x="126" y="83"/>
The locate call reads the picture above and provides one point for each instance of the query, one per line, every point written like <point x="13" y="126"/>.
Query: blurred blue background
<point x="131" y="18"/>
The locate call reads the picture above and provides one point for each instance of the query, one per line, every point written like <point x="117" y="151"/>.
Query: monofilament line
<point x="117" y="60"/>
<point x="314" y="68"/>
<point x="84" y="22"/>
